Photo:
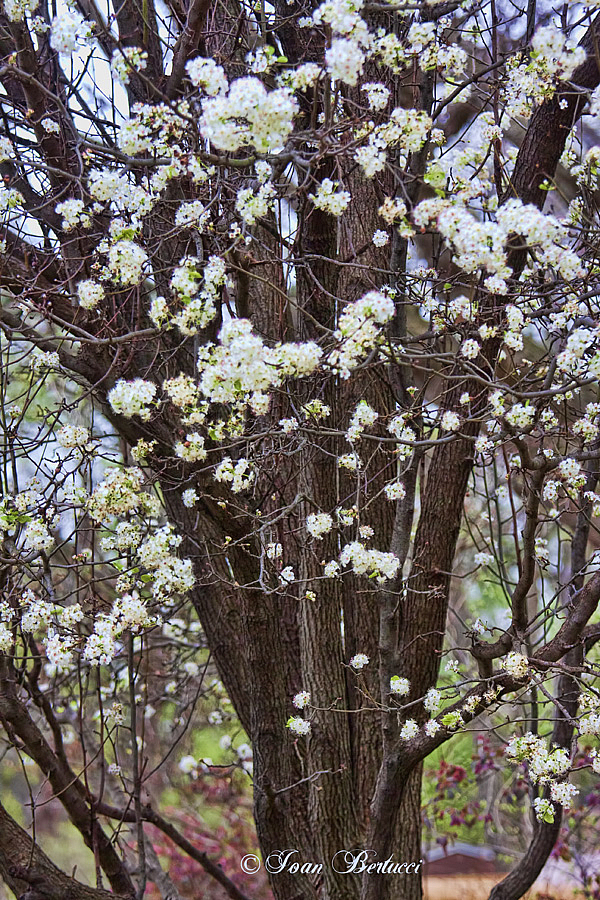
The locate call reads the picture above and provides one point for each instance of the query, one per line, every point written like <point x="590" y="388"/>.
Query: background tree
<point x="281" y="310"/>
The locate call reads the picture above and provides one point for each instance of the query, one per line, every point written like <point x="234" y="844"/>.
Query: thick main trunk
<point x="407" y="843"/>
<point x="352" y="885"/>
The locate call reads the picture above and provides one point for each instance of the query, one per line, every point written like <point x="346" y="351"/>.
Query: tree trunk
<point x="407" y="842"/>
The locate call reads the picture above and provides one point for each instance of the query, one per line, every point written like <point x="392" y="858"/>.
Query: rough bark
<point x="292" y="644"/>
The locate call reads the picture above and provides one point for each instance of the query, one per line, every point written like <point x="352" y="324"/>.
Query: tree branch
<point x="23" y="863"/>
<point x="65" y="783"/>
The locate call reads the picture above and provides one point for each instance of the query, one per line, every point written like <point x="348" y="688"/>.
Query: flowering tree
<point x="282" y="313"/>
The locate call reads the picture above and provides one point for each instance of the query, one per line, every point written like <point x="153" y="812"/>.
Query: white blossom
<point x="90" y="294"/>
<point x="67" y="28"/>
<point x="319" y="524"/>
<point x="301" y="700"/>
<point x="330" y="200"/>
<point x="409" y="730"/>
<point x="132" y="398"/>
<point x="190" y="498"/>
<point x="299" y="726"/>
<point x="359" y="661"/>
<point x="399" y="686"/>
<point x="516" y="665"/>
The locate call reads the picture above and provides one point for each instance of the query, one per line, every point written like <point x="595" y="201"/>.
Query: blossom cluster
<point x="374" y="563"/>
<point x="359" y="330"/>
<point x="545" y="766"/>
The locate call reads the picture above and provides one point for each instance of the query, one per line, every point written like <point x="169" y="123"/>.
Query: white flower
<point x="117" y="494"/>
<point x="358" y="331"/>
<point x="70" y="615"/>
<point x="544" y="810"/>
<point x="187" y="764"/>
<point x="370" y="562"/>
<point x="253" y="205"/>
<point x="345" y="60"/>
<point x="359" y="661"/>
<point x="89" y="293"/>
<point x="99" y="649"/>
<point x="483" y="558"/>
<point x="329" y="200"/>
<point x="242" y="367"/>
<point x="590" y="724"/>
<point x="58" y="651"/>
<point x="126" y="262"/>
<point x="72" y="436"/>
<point x="400" y="686"/>
<point x="349" y="461"/>
<point x="563" y="793"/>
<point x="363" y="415"/>
<point x="16" y="10"/>
<point x="520" y="415"/>
<point x="274" y="551"/>
<point x="542" y="553"/>
<point x="248" y="115"/>
<point x="115" y="714"/>
<point x="259" y="403"/>
<point x="126" y="59"/>
<point x="131" y="398"/>
<point x="392" y="209"/>
<point x="263" y="170"/>
<point x="6" y="638"/>
<point x="66" y="29"/>
<point x="37" y="537"/>
<point x="395" y="490"/>
<point x="207" y="75"/>
<point x="239" y="475"/>
<point x="516" y="665"/>
<point x="182" y="391"/>
<point x="377" y="95"/>
<point x="72" y="211"/>
<point x="192" y="449"/>
<point x="287" y="575"/>
<point x="6" y="148"/>
<point x="288" y="425"/>
<point x="450" y="421"/>
<point x="244" y="751"/>
<point x="37" y="613"/>
<point x="381" y="238"/>
<point x="193" y="213"/>
<point x="470" y="349"/>
<point x="319" y="524"/>
<point x="305" y="76"/>
<point x="569" y="469"/>
<point x="298" y="725"/>
<point x="432" y="700"/>
<point x="189" y="498"/>
<point x="301" y="700"/>
<point x="409" y="730"/>
<point x="483" y="444"/>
